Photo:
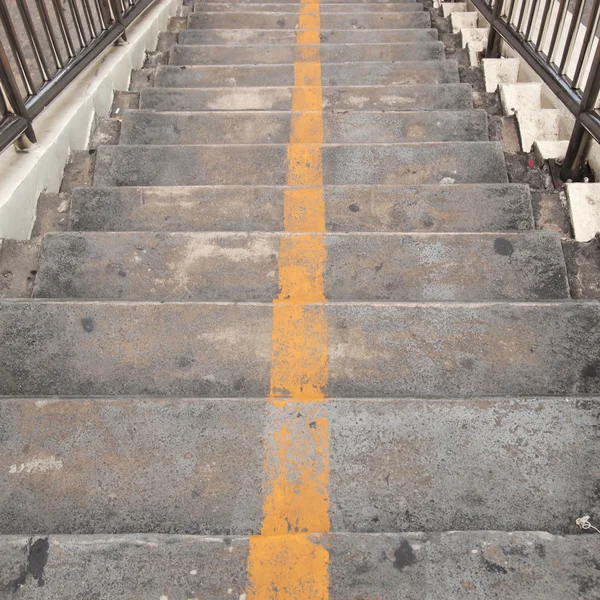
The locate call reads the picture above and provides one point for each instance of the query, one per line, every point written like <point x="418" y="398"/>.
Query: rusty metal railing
<point x="559" y="40"/>
<point x="44" y="45"/>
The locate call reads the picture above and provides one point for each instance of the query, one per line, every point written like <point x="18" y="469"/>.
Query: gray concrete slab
<point x="324" y="7"/>
<point x="220" y="349"/>
<point x="287" y="36"/>
<point x="265" y="127"/>
<point x="452" y="96"/>
<point x="289" y="20"/>
<point x="480" y="565"/>
<point x="196" y="466"/>
<point x="388" y="164"/>
<point x="245" y="267"/>
<point x="340" y="74"/>
<point x="457" y="208"/>
<point x="283" y="54"/>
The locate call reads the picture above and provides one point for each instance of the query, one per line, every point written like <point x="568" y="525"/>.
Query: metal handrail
<point x="45" y="49"/>
<point x="562" y="47"/>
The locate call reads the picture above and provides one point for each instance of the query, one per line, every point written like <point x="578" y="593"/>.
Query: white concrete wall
<point x="65" y="125"/>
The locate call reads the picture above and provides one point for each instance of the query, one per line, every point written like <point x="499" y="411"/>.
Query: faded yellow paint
<point x="304" y="210"/>
<point x="298" y="498"/>
<point x="299" y="368"/>
<point x="288" y="567"/>
<point x="287" y="560"/>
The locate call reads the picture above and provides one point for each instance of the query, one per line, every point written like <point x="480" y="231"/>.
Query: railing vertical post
<point x="494" y="39"/>
<point x="579" y="143"/>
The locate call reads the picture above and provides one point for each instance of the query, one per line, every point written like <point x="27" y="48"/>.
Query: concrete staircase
<point x="365" y="314"/>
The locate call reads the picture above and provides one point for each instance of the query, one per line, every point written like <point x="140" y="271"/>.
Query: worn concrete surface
<point x="18" y="267"/>
<point x="195" y="465"/>
<point x="386" y="164"/>
<point x="206" y="37"/>
<point x="244" y="267"/>
<point x="338" y="74"/>
<point x="478" y="565"/>
<point x="324" y="7"/>
<point x="91" y="348"/>
<point x="52" y="213"/>
<point x="583" y="267"/>
<point x="458" y="208"/>
<point x="289" y="20"/>
<point x="266" y="127"/>
<point x="282" y="54"/>
<point x="407" y="97"/>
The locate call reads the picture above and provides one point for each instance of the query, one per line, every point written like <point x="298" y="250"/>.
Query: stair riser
<point x="227" y="55"/>
<point x="348" y="36"/>
<point x="242" y="267"/>
<point x="342" y="74"/>
<point x="448" y="350"/>
<point x="417" y="98"/>
<point x="435" y="208"/>
<point x="324" y="9"/>
<point x="149" y="127"/>
<point x="206" y="475"/>
<point x="290" y="21"/>
<point x="408" y="164"/>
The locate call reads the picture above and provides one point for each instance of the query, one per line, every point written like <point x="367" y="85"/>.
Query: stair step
<point x="457" y="96"/>
<point x="451" y="208"/>
<point x="281" y="54"/>
<point x="535" y="125"/>
<point x="387" y="164"/>
<point x="193" y="466"/>
<point x="499" y="566"/>
<point x="289" y="20"/>
<point x="288" y="36"/>
<point x="520" y="96"/>
<point x="228" y="127"/>
<point x="294" y="3"/>
<point x="342" y="74"/>
<point x="324" y="8"/>
<point x="241" y="267"/>
<point x="448" y="350"/>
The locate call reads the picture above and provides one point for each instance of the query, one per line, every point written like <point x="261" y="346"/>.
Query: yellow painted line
<point x="287" y="560"/>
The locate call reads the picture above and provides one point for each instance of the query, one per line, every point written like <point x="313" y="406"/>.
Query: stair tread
<point x="244" y="267"/>
<point x="421" y="447"/>
<point x="151" y="127"/>
<point x="490" y="565"/>
<point x="181" y="54"/>
<point x="451" y="96"/>
<point x="289" y="20"/>
<point x="254" y="164"/>
<point x="65" y="347"/>
<point x="480" y="207"/>
<point x="324" y="8"/>
<point x="333" y="74"/>
<point x="288" y="36"/>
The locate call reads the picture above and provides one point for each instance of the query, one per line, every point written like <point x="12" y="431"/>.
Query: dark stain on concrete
<point x="492" y="567"/>
<point x="503" y="247"/>
<point x="404" y="556"/>
<point x="590" y="370"/>
<point x="88" y="324"/>
<point x="34" y="562"/>
<point x="354" y="208"/>
<point x="37" y="559"/>
<point x="281" y="22"/>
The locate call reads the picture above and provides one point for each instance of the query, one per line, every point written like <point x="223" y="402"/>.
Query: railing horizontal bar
<point x="11" y="128"/>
